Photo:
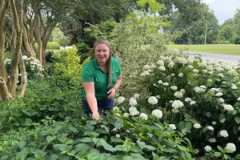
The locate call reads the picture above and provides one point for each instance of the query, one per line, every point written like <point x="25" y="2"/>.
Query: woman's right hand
<point x="96" y="116"/>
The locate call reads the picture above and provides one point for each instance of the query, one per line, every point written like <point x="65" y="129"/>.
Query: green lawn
<point x="230" y="49"/>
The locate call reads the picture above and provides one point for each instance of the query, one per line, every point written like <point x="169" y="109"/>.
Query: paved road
<point x="214" y="57"/>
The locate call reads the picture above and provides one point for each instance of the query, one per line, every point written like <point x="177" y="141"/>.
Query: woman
<point x="101" y="77"/>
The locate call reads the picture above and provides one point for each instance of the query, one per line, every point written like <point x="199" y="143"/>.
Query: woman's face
<point x="102" y="53"/>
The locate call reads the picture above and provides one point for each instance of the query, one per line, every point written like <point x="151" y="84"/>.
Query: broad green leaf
<point x="143" y="145"/>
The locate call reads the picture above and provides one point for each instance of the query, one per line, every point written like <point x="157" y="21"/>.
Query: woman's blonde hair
<point x="109" y="61"/>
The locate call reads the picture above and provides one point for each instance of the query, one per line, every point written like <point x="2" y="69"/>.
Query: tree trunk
<point x="4" y="92"/>
<point x="45" y="38"/>
<point x="28" y="48"/>
<point x="18" y="21"/>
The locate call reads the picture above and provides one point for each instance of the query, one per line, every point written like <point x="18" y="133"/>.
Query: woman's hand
<point x="111" y="93"/>
<point x="96" y="116"/>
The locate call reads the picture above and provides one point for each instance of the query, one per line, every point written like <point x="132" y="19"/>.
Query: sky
<point x="223" y="9"/>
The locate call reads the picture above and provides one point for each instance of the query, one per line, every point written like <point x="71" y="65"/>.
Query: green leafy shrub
<point x="53" y="45"/>
<point x="65" y="67"/>
<point x="137" y="40"/>
<point x="237" y="40"/>
<point x="43" y="99"/>
<point x="112" y="138"/>
<point x="33" y="67"/>
<point x="59" y="37"/>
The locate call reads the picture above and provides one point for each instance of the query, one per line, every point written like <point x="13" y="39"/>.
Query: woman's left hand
<point x="111" y="93"/>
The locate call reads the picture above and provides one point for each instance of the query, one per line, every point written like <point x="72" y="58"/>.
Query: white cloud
<point x="208" y="1"/>
<point x="223" y="9"/>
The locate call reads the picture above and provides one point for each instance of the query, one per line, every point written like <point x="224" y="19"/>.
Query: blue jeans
<point x="105" y="104"/>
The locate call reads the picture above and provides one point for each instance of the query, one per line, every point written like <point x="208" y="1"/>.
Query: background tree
<point x="193" y="23"/>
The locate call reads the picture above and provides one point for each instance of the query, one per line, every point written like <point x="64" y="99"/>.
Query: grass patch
<point x="229" y="49"/>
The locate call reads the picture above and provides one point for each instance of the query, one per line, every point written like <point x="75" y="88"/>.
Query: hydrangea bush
<point x="198" y="98"/>
<point x="33" y="67"/>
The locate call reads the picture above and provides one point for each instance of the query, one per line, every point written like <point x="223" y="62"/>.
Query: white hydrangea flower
<point x="146" y="67"/>
<point x="172" y="126"/>
<point x="160" y="62"/>
<point x="190" y="66"/>
<point x="171" y="64"/>
<point x="145" y="73"/>
<point x="143" y="116"/>
<point x="188" y="99"/>
<point x="180" y="75"/>
<point x="223" y="133"/>
<point x="220" y="75"/>
<point x="118" y="135"/>
<point x="181" y="60"/>
<point x="133" y="111"/>
<point x="172" y="74"/>
<point x="212" y="140"/>
<point x="120" y="100"/>
<point x="152" y="100"/>
<point x="238" y="99"/>
<point x="174" y="110"/>
<point x="154" y="84"/>
<point x="157" y="113"/>
<point x="162" y="68"/>
<point x="228" y="107"/>
<point x="136" y="95"/>
<point x="7" y="61"/>
<point x="166" y="84"/>
<point x="178" y="94"/>
<point x="208" y="148"/>
<point x="219" y="94"/>
<point x="126" y="115"/>
<point x="230" y="148"/>
<point x="183" y="91"/>
<point x="160" y="82"/>
<point x="174" y="88"/>
<point x="214" y="122"/>
<point x="210" y="128"/>
<point x="177" y="104"/>
<point x="222" y="120"/>
<point x="220" y="100"/>
<point x="209" y="80"/>
<point x="199" y="89"/>
<point x="197" y="125"/>
<point x="132" y="101"/>
<point x="234" y="87"/>
<point x="192" y="102"/>
<point x="24" y="57"/>
<point x="195" y="71"/>
<point x="204" y="71"/>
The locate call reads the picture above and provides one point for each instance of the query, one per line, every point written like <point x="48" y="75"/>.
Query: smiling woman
<point x="101" y="79"/>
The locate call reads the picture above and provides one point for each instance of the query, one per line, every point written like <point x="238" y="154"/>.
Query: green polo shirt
<point x="93" y="73"/>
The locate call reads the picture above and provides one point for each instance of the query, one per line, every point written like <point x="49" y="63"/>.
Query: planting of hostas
<point x="198" y="98"/>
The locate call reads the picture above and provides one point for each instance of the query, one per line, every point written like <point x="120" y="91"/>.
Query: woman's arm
<point x="91" y="99"/>
<point x="112" y="91"/>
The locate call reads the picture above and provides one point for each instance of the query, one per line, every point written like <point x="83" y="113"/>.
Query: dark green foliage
<point x="43" y="100"/>
<point x="113" y="138"/>
<point x="237" y="40"/>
